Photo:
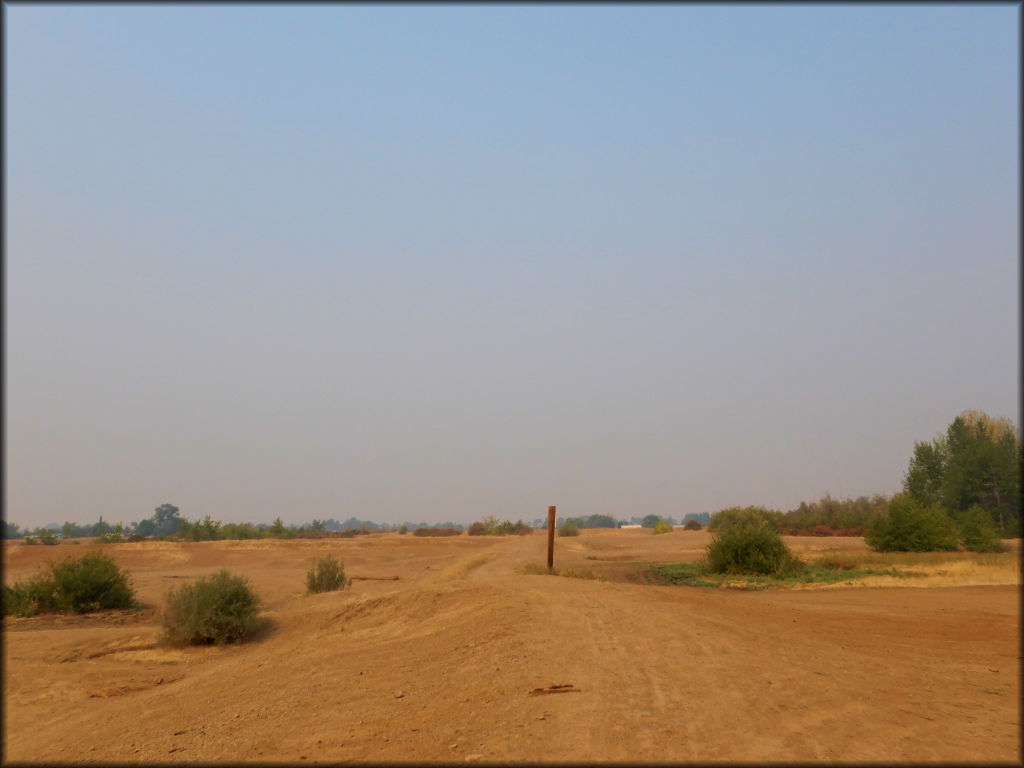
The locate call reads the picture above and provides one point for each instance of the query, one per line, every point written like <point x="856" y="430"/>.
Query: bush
<point x="48" y="537"/>
<point x="663" y="526"/>
<point x="218" y="609"/>
<point x="753" y="547"/>
<point x="692" y="525"/>
<point x="403" y="529"/>
<point x="29" y="598"/>
<point x="477" y="529"/>
<point x="30" y="540"/>
<point x="326" y="575"/>
<point x="978" y="531"/>
<point x="569" y="528"/>
<point x="92" y="582"/>
<point x="910" y="526"/>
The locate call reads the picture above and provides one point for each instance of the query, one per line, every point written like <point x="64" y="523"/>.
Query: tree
<point x="977" y="461"/>
<point x="277" y="528"/>
<point x="650" y="521"/>
<point x="166" y="519"/>
<point x="145" y="528"/>
<point x="317" y="526"/>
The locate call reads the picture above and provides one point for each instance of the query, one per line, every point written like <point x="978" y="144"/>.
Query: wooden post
<point x="551" y="537"/>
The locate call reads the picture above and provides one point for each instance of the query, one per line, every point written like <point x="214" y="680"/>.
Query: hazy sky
<point x="430" y="263"/>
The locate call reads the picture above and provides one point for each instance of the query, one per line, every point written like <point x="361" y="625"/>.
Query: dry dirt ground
<point x="439" y="665"/>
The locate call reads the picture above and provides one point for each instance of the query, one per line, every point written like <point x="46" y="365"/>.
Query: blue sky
<point x="438" y="262"/>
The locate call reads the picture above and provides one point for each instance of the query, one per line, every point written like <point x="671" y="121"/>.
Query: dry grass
<point x="929" y="569"/>
<point x="463" y="566"/>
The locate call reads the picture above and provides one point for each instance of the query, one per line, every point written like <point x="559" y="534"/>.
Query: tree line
<point x="970" y="474"/>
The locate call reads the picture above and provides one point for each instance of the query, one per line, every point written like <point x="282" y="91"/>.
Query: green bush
<point x="47" y="537"/>
<point x="750" y="547"/>
<point x="92" y="582"/>
<point x="692" y="525"/>
<point x="404" y="529"/>
<point x="663" y="526"/>
<point x="326" y="575"/>
<point x="569" y="528"/>
<point x="30" y="540"/>
<point x="911" y="526"/>
<point x="218" y="609"/>
<point x="29" y="598"/>
<point x="978" y="531"/>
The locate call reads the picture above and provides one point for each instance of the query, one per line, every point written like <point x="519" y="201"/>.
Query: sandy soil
<point x="440" y="664"/>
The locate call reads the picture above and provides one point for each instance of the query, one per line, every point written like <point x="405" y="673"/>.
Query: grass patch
<point x="535" y="569"/>
<point x="326" y="575"/>
<point x="824" y="571"/>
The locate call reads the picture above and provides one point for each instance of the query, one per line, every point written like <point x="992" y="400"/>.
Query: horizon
<point x="414" y="264"/>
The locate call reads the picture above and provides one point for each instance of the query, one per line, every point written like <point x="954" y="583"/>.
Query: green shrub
<point x="30" y="540"/>
<point x="92" y="582"/>
<point x="29" y="598"/>
<point x="978" y="531"/>
<point x="663" y="526"/>
<point x="47" y="537"/>
<point x="693" y="525"/>
<point x="569" y="528"/>
<point x="911" y="526"/>
<point x="218" y="609"/>
<point x="750" y="547"/>
<point x="403" y="529"/>
<point x="326" y="575"/>
<point x="111" y="537"/>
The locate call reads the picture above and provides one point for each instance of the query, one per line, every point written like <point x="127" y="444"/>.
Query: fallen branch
<point x="373" y="578"/>
<point x="561" y="688"/>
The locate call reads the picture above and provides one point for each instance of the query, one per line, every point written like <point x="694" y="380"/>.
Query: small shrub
<point x="111" y="537"/>
<point x="404" y="529"/>
<point x="135" y="537"/>
<point x="753" y="547"/>
<point x="91" y="582"/>
<point x="326" y="575"/>
<point x="477" y="529"/>
<point x="569" y="528"/>
<point x="29" y="598"/>
<point x="29" y="540"/>
<point x="48" y="537"/>
<point x="219" y="609"/>
<point x="693" y="525"/>
<point x="663" y="526"/>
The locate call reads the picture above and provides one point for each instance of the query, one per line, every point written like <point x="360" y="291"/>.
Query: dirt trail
<point x="440" y="664"/>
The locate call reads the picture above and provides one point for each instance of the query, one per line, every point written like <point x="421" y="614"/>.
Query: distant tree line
<point x="965" y="485"/>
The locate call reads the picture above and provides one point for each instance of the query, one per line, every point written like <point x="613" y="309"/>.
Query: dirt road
<point x="440" y="664"/>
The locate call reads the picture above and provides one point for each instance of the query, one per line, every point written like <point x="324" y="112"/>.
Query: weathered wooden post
<point x="551" y="537"/>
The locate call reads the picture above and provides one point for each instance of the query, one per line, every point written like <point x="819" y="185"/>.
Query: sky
<point x="431" y="263"/>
